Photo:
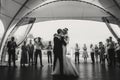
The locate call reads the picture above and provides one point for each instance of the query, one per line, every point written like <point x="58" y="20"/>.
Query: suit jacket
<point x="11" y="45"/>
<point x="58" y="46"/>
<point x="30" y="48"/>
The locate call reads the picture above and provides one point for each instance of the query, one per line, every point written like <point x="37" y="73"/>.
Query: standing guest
<point x="102" y="53"/>
<point x="106" y="51"/>
<point x="49" y="53"/>
<point x="118" y="52"/>
<point x="116" y="49"/>
<point x="24" y="54"/>
<point x="111" y="52"/>
<point x="96" y="53"/>
<point x="30" y="51"/>
<point x="92" y="53"/>
<point x="38" y="46"/>
<point x="77" y="53"/>
<point x="85" y="53"/>
<point x="11" y="45"/>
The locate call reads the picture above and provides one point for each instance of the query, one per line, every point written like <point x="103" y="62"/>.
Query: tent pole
<point x="13" y="31"/>
<point x="5" y="33"/>
<point x="29" y="29"/>
<point x="110" y="28"/>
<point x="116" y="3"/>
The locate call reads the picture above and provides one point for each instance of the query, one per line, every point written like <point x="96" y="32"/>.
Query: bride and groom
<point x="62" y="64"/>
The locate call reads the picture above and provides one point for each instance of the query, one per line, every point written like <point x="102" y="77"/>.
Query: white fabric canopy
<point x="12" y="11"/>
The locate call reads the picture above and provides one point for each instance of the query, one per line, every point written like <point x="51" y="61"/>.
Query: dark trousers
<point x="55" y="60"/>
<point x="60" y="58"/>
<point x="118" y="56"/>
<point x="102" y="58"/>
<point x="76" y="57"/>
<point x="92" y="57"/>
<point x="49" y="54"/>
<point x="38" y="52"/>
<point x="111" y="53"/>
<point x="11" y="56"/>
<point x="30" y="57"/>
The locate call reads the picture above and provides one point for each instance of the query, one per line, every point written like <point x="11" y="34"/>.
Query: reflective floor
<point x="86" y="72"/>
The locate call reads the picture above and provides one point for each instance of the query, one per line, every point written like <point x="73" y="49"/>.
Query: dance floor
<point x="87" y="71"/>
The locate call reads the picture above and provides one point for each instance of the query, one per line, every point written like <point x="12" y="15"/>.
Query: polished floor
<point x="87" y="71"/>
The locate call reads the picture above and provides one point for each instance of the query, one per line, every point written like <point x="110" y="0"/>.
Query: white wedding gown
<point x="69" y="68"/>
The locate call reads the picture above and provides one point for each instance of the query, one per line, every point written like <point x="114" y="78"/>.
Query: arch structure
<point x="15" y="13"/>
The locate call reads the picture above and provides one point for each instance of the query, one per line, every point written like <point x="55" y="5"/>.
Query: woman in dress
<point x="69" y="68"/>
<point x="85" y="53"/>
<point x="24" y="54"/>
<point x="96" y="53"/>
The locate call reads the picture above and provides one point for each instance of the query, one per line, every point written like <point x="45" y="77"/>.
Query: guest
<point x="49" y="53"/>
<point x="77" y="53"/>
<point x="11" y="45"/>
<point x="30" y="51"/>
<point x="118" y="52"/>
<point x="24" y="54"/>
<point x="116" y="49"/>
<point x="111" y="52"/>
<point x="38" y="46"/>
<point x="106" y="51"/>
<point x="102" y="53"/>
<point x="85" y="53"/>
<point x="96" y="53"/>
<point x="92" y="53"/>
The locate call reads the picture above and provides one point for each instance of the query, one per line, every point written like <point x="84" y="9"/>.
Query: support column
<point x="110" y="28"/>
<point x="5" y="33"/>
<point x="31" y="22"/>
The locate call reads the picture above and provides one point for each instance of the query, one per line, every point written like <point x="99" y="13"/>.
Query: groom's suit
<point x="58" y="52"/>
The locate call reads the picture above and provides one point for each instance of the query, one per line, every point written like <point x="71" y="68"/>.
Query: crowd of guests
<point x="103" y="52"/>
<point x="108" y="52"/>
<point x="29" y="52"/>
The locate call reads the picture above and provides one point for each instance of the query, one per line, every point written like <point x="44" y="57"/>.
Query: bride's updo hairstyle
<point x="65" y="30"/>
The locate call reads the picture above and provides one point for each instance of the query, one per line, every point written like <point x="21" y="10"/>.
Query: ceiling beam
<point x="112" y="15"/>
<point x="20" y="3"/>
<point x="3" y="41"/>
<point x="117" y="4"/>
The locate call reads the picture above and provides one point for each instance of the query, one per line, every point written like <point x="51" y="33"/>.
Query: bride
<point x="69" y="68"/>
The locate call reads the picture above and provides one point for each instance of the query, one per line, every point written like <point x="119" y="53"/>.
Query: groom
<point x="58" y="50"/>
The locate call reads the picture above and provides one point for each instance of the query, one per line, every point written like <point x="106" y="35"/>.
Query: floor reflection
<point x="86" y="72"/>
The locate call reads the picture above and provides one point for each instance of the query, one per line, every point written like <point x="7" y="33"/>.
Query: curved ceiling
<point x="68" y="10"/>
<point x="11" y="11"/>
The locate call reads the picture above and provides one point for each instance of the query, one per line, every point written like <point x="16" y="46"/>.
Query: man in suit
<point x="58" y="50"/>
<point x="11" y="45"/>
<point x="30" y="51"/>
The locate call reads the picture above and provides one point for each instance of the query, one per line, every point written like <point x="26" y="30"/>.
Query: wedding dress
<point x="69" y="68"/>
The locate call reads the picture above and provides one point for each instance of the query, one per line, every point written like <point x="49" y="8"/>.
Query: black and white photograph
<point x="59" y="39"/>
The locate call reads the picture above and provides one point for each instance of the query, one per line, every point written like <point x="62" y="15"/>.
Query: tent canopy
<point x="14" y="13"/>
<point x="11" y="11"/>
